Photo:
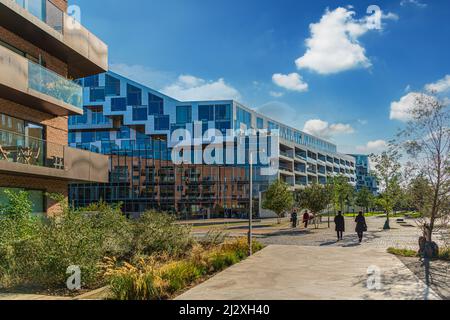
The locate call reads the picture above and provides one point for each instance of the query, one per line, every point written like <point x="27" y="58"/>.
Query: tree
<point x="342" y="192"/>
<point x="364" y="198"/>
<point x="278" y="198"/>
<point x="315" y="198"/>
<point x="388" y="174"/>
<point x="426" y="139"/>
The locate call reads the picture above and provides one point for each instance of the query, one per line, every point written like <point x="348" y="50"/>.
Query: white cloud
<point x="323" y="129"/>
<point x="363" y="122"/>
<point x="190" y="88"/>
<point x="276" y="94"/>
<point x="413" y="2"/>
<point x="440" y="86"/>
<point x="401" y="110"/>
<point x="334" y="47"/>
<point x="373" y="147"/>
<point x="292" y="82"/>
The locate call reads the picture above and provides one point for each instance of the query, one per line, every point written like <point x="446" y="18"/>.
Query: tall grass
<point x="157" y="279"/>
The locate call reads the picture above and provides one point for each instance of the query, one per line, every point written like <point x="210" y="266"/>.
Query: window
<point x="91" y="81"/>
<point x="205" y="113"/>
<point x="87" y="136"/>
<point x="99" y="118"/>
<point x="97" y="95"/>
<point x="223" y="112"/>
<point x="155" y="105"/>
<point x="124" y="133"/>
<point x="139" y="113"/>
<point x="72" y="137"/>
<point x="243" y="117"/>
<point x="36" y="197"/>
<point x="112" y="87"/>
<point x="102" y="136"/>
<point x="118" y="104"/>
<point x="134" y="95"/>
<point x="184" y="114"/>
<point x="162" y="123"/>
<point x="260" y="123"/>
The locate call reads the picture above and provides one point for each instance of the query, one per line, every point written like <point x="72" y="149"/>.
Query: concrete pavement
<point x="289" y="272"/>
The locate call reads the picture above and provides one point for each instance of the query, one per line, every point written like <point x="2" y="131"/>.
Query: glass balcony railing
<point x="20" y="148"/>
<point x="45" y="11"/>
<point x="52" y="84"/>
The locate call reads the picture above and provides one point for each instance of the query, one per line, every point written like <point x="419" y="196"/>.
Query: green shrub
<point x="403" y="252"/>
<point x="19" y="237"/>
<point x="155" y="279"/>
<point x="156" y="232"/>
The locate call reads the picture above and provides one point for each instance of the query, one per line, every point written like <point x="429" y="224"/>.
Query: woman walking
<point x="340" y="225"/>
<point x="361" y="226"/>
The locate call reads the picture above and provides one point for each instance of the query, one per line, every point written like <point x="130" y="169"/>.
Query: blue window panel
<point x="222" y="112"/>
<point x="244" y="117"/>
<point x="222" y="126"/>
<point x="206" y="113"/>
<point x="91" y="81"/>
<point x="87" y="137"/>
<point x="260" y="123"/>
<point x="102" y="136"/>
<point x="184" y="114"/>
<point x="162" y="123"/>
<point x="124" y="133"/>
<point x="155" y="105"/>
<point x="97" y="95"/>
<point x="139" y="113"/>
<point x="118" y="104"/>
<point x="112" y="86"/>
<point x="134" y="95"/>
<point x="72" y="137"/>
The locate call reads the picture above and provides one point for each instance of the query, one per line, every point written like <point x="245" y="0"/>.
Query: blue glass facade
<point x="364" y="178"/>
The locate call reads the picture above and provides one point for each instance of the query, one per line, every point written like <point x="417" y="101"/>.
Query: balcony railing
<point x="52" y="84"/>
<point x="45" y="11"/>
<point x="20" y="148"/>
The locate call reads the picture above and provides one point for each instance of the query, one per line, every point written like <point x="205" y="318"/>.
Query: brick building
<point x="41" y="49"/>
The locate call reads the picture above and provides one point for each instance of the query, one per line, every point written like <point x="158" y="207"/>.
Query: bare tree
<point x="426" y="139"/>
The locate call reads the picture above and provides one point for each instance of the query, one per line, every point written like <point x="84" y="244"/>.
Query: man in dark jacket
<point x="361" y="226"/>
<point x="294" y="218"/>
<point x="340" y="225"/>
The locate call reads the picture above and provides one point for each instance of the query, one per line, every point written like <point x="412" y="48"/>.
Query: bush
<point x="81" y="238"/>
<point x="156" y="232"/>
<point x="158" y="278"/>
<point x="403" y="252"/>
<point x="37" y="251"/>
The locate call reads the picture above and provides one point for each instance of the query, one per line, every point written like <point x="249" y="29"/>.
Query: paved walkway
<point x="289" y="272"/>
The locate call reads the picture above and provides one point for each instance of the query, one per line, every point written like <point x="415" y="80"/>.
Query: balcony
<point x="30" y="84"/>
<point x="29" y="156"/>
<point x="46" y="26"/>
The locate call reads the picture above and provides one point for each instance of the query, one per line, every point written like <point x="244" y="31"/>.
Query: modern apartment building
<point x="364" y="178"/>
<point x="41" y="49"/>
<point x="133" y="123"/>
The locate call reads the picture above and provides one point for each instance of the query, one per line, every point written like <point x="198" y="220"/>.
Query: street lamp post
<point x="250" y="216"/>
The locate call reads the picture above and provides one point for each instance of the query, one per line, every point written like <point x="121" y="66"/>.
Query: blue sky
<point x="328" y="67"/>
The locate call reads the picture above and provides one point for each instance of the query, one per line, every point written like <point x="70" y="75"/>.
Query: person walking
<point x="306" y="219"/>
<point x="361" y="226"/>
<point x="294" y="218"/>
<point x="340" y="225"/>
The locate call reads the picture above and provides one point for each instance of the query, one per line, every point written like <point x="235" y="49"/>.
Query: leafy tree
<point x="364" y="199"/>
<point x="426" y="139"/>
<point x="278" y="198"/>
<point x="388" y="173"/>
<point x="315" y="198"/>
<point x="342" y="192"/>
